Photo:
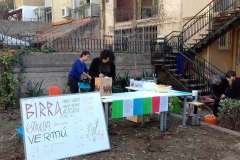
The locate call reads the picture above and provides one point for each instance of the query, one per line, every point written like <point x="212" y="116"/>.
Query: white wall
<point x="28" y="13"/>
<point x="48" y="3"/>
<point x="169" y="16"/>
<point x="191" y="7"/>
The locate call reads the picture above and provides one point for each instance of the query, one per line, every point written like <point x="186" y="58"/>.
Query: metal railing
<point x="68" y="44"/>
<point x="204" y="20"/>
<point x="197" y="70"/>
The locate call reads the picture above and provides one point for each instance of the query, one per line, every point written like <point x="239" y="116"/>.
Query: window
<point x="48" y="14"/>
<point x="225" y="42"/>
<point x="136" y="38"/>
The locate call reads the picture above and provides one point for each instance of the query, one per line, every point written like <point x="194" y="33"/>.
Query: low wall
<point x="54" y="67"/>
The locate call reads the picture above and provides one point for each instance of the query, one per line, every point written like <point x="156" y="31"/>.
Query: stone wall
<point x="54" y="67"/>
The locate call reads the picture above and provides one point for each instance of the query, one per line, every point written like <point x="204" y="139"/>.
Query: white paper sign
<point x="128" y="108"/>
<point x="163" y="103"/>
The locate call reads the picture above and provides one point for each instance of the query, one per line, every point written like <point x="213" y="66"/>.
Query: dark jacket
<point x="217" y="90"/>
<point x="234" y="89"/>
<point x="94" y="71"/>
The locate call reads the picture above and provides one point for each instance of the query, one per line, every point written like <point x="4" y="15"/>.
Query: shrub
<point x="119" y="83"/>
<point x="229" y="114"/>
<point x="8" y="83"/>
<point x="34" y="90"/>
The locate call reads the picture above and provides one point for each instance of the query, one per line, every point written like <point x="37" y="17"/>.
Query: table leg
<point x="106" y="113"/>
<point x="163" y="121"/>
<point x="143" y="120"/>
<point x="184" y="111"/>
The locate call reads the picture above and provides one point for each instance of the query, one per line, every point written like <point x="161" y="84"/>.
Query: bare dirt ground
<point x="131" y="140"/>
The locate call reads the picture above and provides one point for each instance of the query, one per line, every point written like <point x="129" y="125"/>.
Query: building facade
<point x="130" y="21"/>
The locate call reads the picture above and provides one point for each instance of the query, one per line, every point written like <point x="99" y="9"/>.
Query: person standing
<point x="102" y="66"/>
<point x="218" y="87"/>
<point x="78" y="68"/>
<point x="234" y="86"/>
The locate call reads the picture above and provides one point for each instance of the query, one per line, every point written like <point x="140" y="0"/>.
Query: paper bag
<point x="104" y="85"/>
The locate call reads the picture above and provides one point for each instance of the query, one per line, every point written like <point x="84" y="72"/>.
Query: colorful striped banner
<point x="139" y="106"/>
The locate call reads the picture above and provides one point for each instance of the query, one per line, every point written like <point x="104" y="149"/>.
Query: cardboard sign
<point x="58" y="127"/>
<point x="104" y="85"/>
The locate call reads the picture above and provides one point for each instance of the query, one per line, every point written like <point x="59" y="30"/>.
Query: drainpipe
<point x="73" y="8"/>
<point x="52" y="12"/>
<point x="38" y="13"/>
<point x="102" y="19"/>
<point x="181" y="3"/>
<point x="73" y="4"/>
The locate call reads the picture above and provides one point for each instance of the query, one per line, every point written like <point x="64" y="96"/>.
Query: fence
<point x="68" y="44"/>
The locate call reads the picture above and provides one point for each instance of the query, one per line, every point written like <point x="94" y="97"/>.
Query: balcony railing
<point x="86" y="11"/>
<point x="39" y="19"/>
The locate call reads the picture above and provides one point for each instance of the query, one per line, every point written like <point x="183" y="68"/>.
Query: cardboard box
<point x="138" y="119"/>
<point x="104" y="85"/>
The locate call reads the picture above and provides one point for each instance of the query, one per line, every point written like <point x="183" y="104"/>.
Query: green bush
<point x="175" y="105"/>
<point x="229" y="114"/>
<point x="8" y="83"/>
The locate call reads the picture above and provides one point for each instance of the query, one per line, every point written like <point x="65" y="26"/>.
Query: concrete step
<point x="196" y="85"/>
<point x="173" y="70"/>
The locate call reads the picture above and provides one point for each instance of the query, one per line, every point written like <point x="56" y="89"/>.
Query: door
<point x="238" y="56"/>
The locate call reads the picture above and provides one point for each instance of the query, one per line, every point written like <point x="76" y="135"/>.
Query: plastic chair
<point x="54" y="90"/>
<point x="84" y="86"/>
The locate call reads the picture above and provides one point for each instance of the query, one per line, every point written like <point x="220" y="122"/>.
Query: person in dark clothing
<point x="218" y="87"/>
<point x="234" y="85"/>
<point x="102" y="66"/>
<point x="179" y="61"/>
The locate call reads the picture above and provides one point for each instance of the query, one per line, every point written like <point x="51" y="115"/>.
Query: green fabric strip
<point x="117" y="109"/>
<point x="147" y="105"/>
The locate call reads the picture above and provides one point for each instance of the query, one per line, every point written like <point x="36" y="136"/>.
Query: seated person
<point x="234" y="86"/>
<point x="218" y="86"/>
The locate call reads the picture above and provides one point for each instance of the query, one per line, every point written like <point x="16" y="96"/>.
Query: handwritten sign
<point x="63" y="126"/>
